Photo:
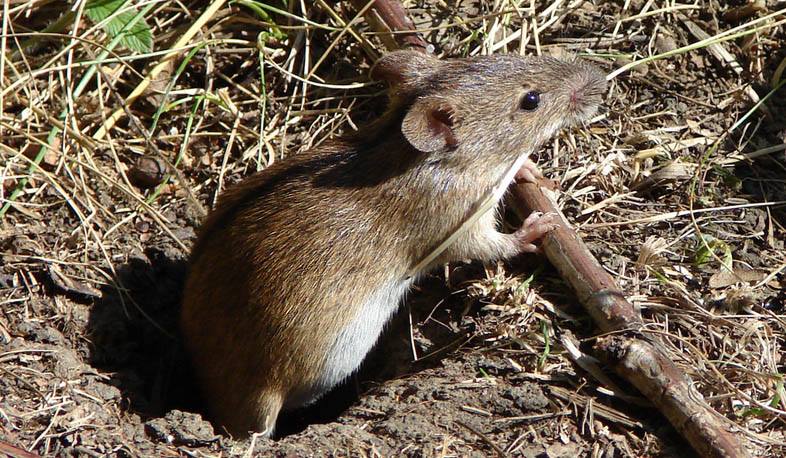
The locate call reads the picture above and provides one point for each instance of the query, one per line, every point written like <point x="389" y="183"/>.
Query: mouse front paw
<point x="535" y="227"/>
<point x="529" y="172"/>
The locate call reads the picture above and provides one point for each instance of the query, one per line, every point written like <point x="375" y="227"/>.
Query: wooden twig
<point x="632" y="355"/>
<point x="389" y="17"/>
<point x="500" y="453"/>
<point x="15" y="452"/>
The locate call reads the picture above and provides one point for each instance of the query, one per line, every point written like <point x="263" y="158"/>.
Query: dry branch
<point x="16" y="452"/>
<point x="388" y="18"/>
<point x="638" y="359"/>
<point x="634" y="356"/>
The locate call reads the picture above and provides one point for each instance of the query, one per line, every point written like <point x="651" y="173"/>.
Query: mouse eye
<point x="530" y="101"/>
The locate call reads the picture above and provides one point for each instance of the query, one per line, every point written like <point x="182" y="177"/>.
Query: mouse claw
<point x="535" y="227"/>
<point x="528" y="173"/>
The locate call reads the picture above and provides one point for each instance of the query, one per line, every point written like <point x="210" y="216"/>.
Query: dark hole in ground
<point x="135" y="338"/>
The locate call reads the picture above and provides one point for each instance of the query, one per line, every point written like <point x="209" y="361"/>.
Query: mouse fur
<point x="298" y="268"/>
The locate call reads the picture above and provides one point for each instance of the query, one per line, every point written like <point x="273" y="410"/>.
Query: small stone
<point x="181" y="428"/>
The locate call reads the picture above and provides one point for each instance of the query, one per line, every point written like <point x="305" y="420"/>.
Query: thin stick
<point x="495" y="447"/>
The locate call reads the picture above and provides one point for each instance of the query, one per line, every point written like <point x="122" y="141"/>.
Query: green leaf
<point x="98" y="10"/>
<point x="137" y="38"/>
<point x="545" y="329"/>
<point x="753" y="412"/>
<point x="522" y="288"/>
<point x="259" y="9"/>
<point x="729" y="178"/>
<point x="709" y="246"/>
<point x="663" y="279"/>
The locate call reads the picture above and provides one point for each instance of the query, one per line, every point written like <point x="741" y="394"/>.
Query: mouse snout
<point x="582" y="97"/>
<point x="575" y="97"/>
<point x="586" y="92"/>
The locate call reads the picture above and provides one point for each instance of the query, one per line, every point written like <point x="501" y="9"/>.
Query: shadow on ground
<point x="762" y="178"/>
<point x="133" y="331"/>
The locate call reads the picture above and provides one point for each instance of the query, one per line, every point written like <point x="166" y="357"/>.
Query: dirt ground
<point x="94" y="247"/>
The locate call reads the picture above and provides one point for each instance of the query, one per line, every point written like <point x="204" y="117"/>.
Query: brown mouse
<point x="299" y="267"/>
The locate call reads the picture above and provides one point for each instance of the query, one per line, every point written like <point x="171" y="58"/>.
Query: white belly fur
<point x="353" y="343"/>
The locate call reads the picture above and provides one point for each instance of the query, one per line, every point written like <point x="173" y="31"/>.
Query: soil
<point x="475" y="364"/>
<point x="122" y="387"/>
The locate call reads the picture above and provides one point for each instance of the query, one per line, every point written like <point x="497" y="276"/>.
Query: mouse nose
<point x="574" y="97"/>
<point x="589" y="88"/>
<point x="585" y="92"/>
<point x="578" y="98"/>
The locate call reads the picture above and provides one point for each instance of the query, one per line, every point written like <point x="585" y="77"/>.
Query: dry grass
<point x="679" y="188"/>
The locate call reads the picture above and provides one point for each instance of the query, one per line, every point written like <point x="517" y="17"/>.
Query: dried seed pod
<point x="148" y="172"/>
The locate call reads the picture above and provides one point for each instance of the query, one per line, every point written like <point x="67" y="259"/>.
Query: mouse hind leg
<point x="254" y="414"/>
<point x="268" y="405"/>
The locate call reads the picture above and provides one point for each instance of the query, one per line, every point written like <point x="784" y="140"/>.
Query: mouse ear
<point x="428" y="125"/>
<point x="404" y="68"/>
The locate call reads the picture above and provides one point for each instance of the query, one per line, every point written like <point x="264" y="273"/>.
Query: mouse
<point x="296" y="271"/>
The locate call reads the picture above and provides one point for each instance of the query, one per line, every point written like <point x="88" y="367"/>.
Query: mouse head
<point x="503" y="105"/>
